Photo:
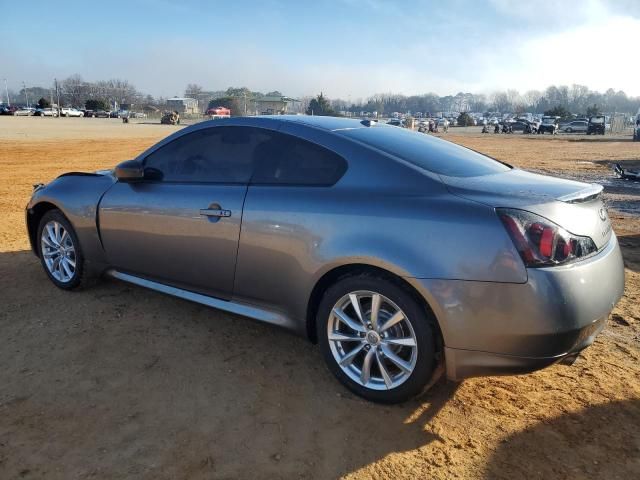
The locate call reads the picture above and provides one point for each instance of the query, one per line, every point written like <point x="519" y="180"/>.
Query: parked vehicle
<point x="24" y="112"/>
<point x="88" y="113"/>
<point x="46" y="112"/>
<point x="170" y="118"/>
<point x="101" y="114"/>
<point x="8" y="110"/>
<point x="596" y="125"/>
<point x="521" y="125"/>
<point x="392" y="249"/>
<point x="396" y="122"/>
<point x="548" y="124"/>
<point x="70" y="112"/>
<point x="577" y="126"/>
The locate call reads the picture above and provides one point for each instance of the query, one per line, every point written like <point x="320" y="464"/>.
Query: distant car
<point x="137" y="115"/>
<point x="596" y="125"/>
<point x="8" y="109"/>
<point x="396" y="122"/>
<point x="114" y="114"/>
<point x="70" y="112"/>
<point x="521" y="126"/>
<point x="101" y="114"/>
<point x="577" y="126"/>
<point x="46" y="112"/>
<point x="548" y="125"/>
<point x="24" y="112"/>
<point x="443" y="122"/>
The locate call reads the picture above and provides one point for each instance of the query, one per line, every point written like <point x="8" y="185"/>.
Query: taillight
<point x="541" y="242"/>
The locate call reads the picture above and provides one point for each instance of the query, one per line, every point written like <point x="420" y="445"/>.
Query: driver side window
<point x="211" y="155"/>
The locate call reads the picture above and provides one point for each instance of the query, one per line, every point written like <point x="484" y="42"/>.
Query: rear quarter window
<point x="288" y="160"/>
<point x="427" y="152"/>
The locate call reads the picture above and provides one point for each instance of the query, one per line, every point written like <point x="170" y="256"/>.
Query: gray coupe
<point x="395" y="251"/>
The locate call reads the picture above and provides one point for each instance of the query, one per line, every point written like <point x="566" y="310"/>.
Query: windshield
<point x="597" y="120"/>
<point x="548" y="121"/>
<point x="432" y="154"/>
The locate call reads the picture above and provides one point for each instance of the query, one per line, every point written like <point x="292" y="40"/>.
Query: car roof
<point x="321" y="122"/>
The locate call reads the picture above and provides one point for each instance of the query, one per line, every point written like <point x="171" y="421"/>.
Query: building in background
<point x="273" y="105"/>
<point x="183" y="105"/>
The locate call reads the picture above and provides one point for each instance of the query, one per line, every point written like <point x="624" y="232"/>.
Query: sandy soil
<point x="120" y="382"/>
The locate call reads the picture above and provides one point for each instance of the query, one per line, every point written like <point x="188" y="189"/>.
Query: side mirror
<point x="129" y="171"/>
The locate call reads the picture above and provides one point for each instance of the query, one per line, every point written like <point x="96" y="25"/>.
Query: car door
<point x="181" y="224"/>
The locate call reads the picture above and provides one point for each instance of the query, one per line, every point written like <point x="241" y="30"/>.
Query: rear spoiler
<point x="592" y="192"/>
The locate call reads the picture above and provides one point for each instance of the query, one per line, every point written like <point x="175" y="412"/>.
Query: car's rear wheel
<point x="376" y="338"/>
<point x="59" y="250"/>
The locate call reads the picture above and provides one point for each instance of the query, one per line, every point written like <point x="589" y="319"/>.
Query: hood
<point x="575" y="206"/>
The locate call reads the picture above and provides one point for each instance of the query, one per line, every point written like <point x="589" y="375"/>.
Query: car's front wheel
<point x="59" y="250"/>
<point x="376" y="338"/>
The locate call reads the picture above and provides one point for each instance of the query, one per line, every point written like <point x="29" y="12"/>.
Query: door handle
<point x="215" y="212"/>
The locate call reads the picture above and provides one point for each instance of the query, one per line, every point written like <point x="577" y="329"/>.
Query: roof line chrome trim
<point x="245" y="310"/>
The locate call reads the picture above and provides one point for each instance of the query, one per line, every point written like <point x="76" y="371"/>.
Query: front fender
<point x="77" y="196"/>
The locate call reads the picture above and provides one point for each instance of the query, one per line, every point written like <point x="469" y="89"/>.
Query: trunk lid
<point x="575" y="206"/>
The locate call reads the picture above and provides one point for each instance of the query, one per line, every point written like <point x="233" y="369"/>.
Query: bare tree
<point x="193" y="90"/>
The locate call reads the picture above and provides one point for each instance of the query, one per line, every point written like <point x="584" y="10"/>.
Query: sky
<point x="347" y="49"/>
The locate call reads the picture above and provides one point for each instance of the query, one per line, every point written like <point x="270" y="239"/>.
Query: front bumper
<point x="503" y="328"/>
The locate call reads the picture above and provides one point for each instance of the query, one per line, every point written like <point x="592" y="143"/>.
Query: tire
<point x="415" y="326"/>
<point x="73" y="253"/>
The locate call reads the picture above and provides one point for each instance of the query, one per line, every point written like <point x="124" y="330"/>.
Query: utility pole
<point x="57" y="95"/>
<point x="6" y="89"/>
<point x="26" y="96"/>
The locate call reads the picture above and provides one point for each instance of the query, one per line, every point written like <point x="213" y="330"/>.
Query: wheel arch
<point x="335" y="274"/>
<point x="34" y="215"/>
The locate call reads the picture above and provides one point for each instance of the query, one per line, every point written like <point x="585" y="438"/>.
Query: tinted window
<point x="432" y="154"/>
<point x="288" y="160"/>
<point x="219" y="154"/>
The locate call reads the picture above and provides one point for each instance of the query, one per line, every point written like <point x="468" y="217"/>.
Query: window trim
<point x="249" y="182"/>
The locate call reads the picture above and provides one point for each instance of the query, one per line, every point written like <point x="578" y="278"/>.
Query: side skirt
<point x="245" y="310"/>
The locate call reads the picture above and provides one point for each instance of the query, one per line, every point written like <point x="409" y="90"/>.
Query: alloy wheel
<point x="58" y="251"/>
<point x="372" y="340"/>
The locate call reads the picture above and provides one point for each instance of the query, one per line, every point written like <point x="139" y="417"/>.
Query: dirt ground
<point x="120" y="382"/>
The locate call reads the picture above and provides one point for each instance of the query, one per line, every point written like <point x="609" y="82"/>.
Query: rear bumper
<point x="504" y="328"/>
<point x="462" y="364"/>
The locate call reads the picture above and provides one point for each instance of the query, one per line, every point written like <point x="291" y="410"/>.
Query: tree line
<point x="575" y="99"/>
<point x="75" y="91"/>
